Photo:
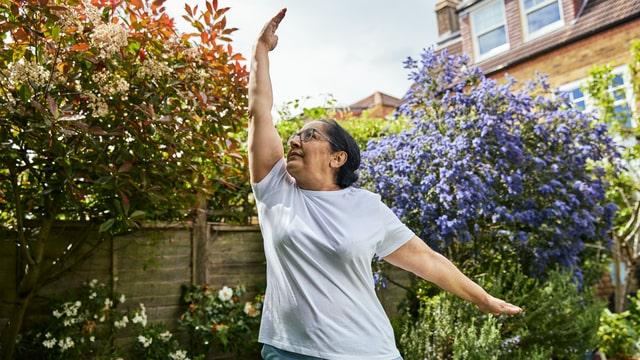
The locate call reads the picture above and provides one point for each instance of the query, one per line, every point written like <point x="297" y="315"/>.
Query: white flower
<point x="179" y="355"/>
<point x="92" y="338"/>
<point x="225" y="293"/>
<point x="109" y="38"/>
<point x="49" y="344"/>
<point x="65" y="344"/>
<point x="165" y="336"/>
<point x="93" y="283"/>
<point x="93" y="13"/>
<point x="121" y="323"/>
<point x="251" y="310"/>
<point x="144" y="341"/>
<point x="28" y="71"/>
<point x="141" y="316"/>
<point x="153" y="69"/>
<point x="102" y="318"/>
<point x="93" y="295"/>
<point x="57" y="313"/>
<point x="107" y="303"/>
<point x="122" y="299"/>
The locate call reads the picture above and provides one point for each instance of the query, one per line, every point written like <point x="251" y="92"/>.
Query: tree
<point x="489" y="173"/>
<point x="625" y="189"/>
<point x="108" y="115"/>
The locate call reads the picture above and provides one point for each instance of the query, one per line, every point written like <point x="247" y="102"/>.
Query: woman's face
<point x="313" y="160"/>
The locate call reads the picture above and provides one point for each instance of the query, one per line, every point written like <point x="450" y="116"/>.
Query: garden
<point x="112" y="119"/>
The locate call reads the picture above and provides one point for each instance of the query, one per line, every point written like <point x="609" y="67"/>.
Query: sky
<point x="345" y="49"/>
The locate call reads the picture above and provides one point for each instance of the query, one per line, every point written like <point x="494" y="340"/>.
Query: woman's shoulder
<point x="366" y="194"/>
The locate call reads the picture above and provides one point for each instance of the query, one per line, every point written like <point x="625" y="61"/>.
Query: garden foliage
<point x="488" y="171"/>
<point x="559" y="320"/>
<point x="109" y="115"/>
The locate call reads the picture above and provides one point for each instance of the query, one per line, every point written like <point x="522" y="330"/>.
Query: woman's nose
<point x="294" y="141"/>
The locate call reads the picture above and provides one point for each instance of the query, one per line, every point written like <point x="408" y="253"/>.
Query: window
<point x="540" y="17"/>
<point x="489" y="29"/>
<point x="620" y="89"/>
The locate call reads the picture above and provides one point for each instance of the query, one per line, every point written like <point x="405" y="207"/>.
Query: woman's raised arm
<point x="264" y="143"/>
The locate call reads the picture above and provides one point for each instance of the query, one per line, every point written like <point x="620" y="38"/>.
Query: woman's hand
<point x="268" y="37"/>
<point x="497" y="306"/>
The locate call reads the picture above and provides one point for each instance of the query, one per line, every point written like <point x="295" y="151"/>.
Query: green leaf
<point x="105" y="226"/>
<point x="137" y="214"/>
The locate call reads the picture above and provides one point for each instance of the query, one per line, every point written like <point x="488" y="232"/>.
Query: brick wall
<point x="573" y="61"/>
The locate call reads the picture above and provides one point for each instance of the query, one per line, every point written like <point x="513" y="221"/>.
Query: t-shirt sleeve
<point x="274" y="183"/>
<point x="396" y="233"/>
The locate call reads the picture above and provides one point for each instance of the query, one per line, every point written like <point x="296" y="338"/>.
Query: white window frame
<point x="542" y="31"/>
<point x="590" y="103"/>
<point x="476" y="46"/>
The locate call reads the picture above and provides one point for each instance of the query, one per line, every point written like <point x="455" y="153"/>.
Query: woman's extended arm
<point x="417" y="257"/>
<point x="264" y="143"/>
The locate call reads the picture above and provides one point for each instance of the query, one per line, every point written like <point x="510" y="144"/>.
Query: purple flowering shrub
<point x="488" y="167"/>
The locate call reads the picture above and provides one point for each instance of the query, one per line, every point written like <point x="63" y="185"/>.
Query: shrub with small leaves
<point x="155" y="342"/>
<point x="219" y="321"/>
<point x="78" y="328"/>
<point x="619" y="333"/>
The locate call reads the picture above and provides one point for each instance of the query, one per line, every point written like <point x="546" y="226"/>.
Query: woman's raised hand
<point x="268" y="37"/>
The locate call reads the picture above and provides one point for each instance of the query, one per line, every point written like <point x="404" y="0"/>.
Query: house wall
<point x="572" y="62"/>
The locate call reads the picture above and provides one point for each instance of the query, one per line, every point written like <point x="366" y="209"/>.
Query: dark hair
<point x="345" y="142"/>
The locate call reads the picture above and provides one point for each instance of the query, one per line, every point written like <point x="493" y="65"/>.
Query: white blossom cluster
<point x="145" y="341"/>
<point x="122" y="323"/>
<point x="98" y="106"/>
<point x="28" y="71"/>
<point x="165" y="336"/>
<point x="153" y="69"/>
<point x="66" y="343"/>
<point x="225" y="294"/>
<point x="109" y="38"/>
<point x="251" y="309"/>
<point x="179" y="355"/>
<point x="93" y="13"/>
<point x="69" y="309"/>
<point x="111" y="85"/>
<point x="140" y="317"/>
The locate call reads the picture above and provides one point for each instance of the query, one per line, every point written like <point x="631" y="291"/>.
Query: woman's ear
<point x="338" y="159"/>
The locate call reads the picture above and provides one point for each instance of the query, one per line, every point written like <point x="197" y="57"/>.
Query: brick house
<point x="561" y="38"/>
<point x="379" y="104"/>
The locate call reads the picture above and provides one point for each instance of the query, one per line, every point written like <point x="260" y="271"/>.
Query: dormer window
<point x="540" y="17"/>
<point x="489" y="27"/>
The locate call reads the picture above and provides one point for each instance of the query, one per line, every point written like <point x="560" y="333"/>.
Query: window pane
<point x="623" y="114"/>
<point x="488" y="17"/>
<point x="580" y="105"/>
<point x="528" y="4"/>
<point x="576" y="94"/>
<point x="492" y="40"/>
<point x="618" y="80"/>
<point x="543" y="17"/>
<point x="619" y="94"/>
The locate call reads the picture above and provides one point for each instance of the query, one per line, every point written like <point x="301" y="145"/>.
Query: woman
<point x="320" y="235"/>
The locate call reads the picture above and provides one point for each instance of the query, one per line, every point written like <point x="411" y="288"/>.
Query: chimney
<point x="447" y="17"/>
<point x="377" y="98"/>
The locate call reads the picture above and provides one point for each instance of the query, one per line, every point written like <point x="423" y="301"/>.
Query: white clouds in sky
<point x="348" y="48"/>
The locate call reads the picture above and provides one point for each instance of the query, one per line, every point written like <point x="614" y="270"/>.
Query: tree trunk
<point x="619" y="293"/>
<point x="27" y="289"/>
<point x="14" y="326"/>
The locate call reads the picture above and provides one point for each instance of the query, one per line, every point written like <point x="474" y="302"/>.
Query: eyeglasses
<point x="309" y="134"/>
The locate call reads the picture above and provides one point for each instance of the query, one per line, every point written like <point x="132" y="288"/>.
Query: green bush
<point x="559" y="321"/>
<point x="619" y="334"/>
<point x="218" y="320"/>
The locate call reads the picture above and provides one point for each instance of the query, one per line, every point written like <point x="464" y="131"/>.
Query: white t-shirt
<point x="320" y="298"/>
